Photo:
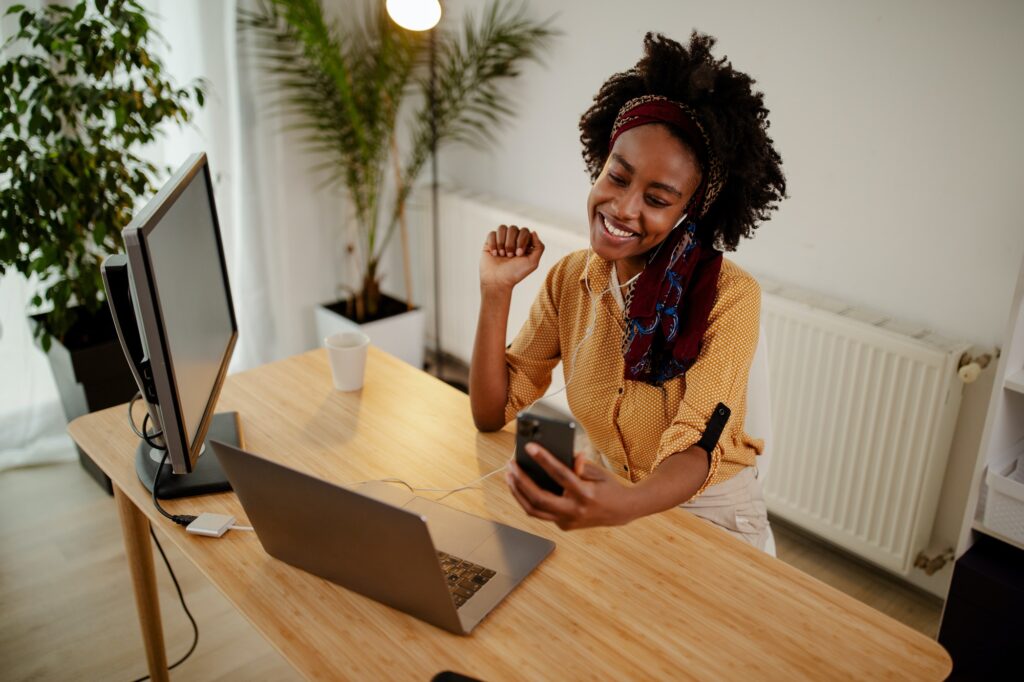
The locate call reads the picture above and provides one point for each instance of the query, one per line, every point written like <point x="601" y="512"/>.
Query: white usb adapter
<point x="211" y="525"/>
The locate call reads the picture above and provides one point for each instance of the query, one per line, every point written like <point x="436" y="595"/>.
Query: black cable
<point x="181" y="597"/>
<point x="144" y="434"/>
<point x="180" y="519"/>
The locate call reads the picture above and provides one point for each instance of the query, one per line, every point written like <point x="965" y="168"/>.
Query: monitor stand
<point x="206" y="476"/>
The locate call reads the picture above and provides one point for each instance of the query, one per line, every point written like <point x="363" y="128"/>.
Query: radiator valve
<point x="970" y="368"/>
<point x="930" y="561"/>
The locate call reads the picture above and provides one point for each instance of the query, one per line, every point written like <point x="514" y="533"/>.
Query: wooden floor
<point x="67" y="612"/>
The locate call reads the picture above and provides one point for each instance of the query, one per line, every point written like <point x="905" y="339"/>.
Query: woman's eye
<point x="618" y="180"/>
<point x="655" y="201"/>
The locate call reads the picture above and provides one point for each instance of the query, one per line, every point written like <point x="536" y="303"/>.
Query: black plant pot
<point x="388" y="307"/>
<point x="91" y="374"/>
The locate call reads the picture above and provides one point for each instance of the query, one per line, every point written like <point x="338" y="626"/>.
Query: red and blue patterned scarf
<point x="669" y="310"/>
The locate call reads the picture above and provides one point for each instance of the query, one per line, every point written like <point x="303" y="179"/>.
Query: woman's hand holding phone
<point x="592" y="495"/>
<point x="510" y="253"/>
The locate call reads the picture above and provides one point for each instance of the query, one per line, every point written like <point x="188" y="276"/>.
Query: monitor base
<point x="206" y="477"/>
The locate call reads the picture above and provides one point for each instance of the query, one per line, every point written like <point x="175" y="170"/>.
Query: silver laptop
<point x="441" y="565"/>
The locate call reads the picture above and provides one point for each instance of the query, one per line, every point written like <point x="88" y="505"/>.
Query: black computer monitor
<point x="172" y="306"/>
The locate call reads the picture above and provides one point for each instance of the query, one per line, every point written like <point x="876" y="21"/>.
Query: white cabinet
<point x="1003" y="439"/>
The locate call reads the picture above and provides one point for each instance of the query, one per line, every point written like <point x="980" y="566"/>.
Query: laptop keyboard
<point x="464" y="577"/>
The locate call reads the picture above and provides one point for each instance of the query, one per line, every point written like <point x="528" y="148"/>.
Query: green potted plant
<point x="80" y="94"/>
<point x="351" y="84"/>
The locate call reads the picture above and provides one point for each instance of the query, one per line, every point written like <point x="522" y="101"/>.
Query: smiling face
<point x="643" y="188"/>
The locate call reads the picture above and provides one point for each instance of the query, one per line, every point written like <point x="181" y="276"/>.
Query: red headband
<point x="657" y="109"/>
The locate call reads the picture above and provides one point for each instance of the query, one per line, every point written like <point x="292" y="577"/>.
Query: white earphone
<point x="592" y="318"/>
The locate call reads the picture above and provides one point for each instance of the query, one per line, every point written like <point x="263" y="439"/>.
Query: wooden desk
<point x="668" y="596"/>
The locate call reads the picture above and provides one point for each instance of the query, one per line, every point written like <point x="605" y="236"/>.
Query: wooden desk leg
<point x="135" y="528"/>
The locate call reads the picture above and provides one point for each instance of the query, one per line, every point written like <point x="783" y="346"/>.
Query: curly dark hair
<point x="732" y="114"/>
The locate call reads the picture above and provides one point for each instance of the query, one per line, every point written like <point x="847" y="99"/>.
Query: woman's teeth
<point x="614" y="231"/>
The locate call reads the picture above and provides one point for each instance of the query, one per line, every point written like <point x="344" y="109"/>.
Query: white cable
<point x="471" y="485"/>
<point x="446" y="491"/>
<point x="592" y="319"/>
<point x="591" y="322"/>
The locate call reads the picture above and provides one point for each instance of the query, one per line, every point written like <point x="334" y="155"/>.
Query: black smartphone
<point x="557" y="436"/>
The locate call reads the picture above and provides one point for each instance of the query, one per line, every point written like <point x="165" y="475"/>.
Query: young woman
<point x="655" y="329"/>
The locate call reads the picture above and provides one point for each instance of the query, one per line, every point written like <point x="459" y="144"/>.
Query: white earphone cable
<point x="591" y="324"/>
<point x="592" y="318"/>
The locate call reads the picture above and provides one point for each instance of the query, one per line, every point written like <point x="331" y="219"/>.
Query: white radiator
<point x="466" y="220"/>
<point x="863" y="412"/>
<point x="863" y="408"/>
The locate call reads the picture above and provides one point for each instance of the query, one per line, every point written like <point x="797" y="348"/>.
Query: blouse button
<point x="625" y="468"/>
<point x="620" y="390"/>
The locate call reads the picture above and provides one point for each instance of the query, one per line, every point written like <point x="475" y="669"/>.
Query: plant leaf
<point x="343" y="88"/>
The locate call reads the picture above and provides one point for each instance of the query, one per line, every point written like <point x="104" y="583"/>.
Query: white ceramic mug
<point x="347" y="354"/>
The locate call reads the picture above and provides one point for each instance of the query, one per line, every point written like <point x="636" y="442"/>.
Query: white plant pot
<point x="401" y="335"/>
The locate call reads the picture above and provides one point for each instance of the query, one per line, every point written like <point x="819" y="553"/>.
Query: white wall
<point x="897" y="123"/>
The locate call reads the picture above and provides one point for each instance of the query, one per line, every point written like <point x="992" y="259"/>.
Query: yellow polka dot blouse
<point x="634" y="424"/>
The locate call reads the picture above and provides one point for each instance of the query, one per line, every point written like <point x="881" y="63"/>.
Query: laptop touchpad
<point x="451" y="530"/>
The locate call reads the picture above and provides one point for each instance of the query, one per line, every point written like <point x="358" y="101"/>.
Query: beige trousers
<point x="736" y="506"/>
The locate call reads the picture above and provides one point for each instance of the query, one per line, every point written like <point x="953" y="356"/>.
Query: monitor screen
<point x="182" y="300"/>
<point x="185" y="266"/>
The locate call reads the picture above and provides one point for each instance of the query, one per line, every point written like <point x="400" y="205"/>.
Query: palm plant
<point x="348" y="84"/>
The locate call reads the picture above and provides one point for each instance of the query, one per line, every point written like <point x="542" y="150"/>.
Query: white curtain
<point x="280" y="232"/>
<point x="32" y="426"/>
<point x="278" y="227"/>
<point x="31" y="417"/>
